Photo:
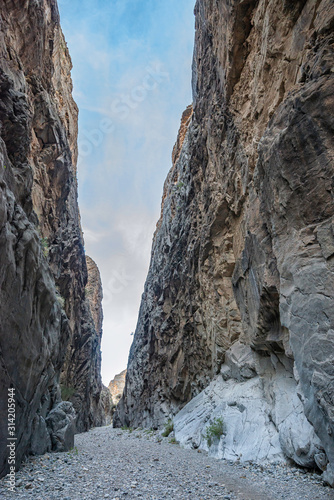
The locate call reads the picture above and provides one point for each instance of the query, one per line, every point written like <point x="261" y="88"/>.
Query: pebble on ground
<point x="116" y="464"/>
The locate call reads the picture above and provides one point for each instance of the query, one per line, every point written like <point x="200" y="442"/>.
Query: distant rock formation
<point x="263" y="418"/>
<point x="100" y="400"/>
<point x="106" y="407"/>
<point x="94" y="294"/>
<point x="46" y="323"/>
<point x="237" y="314"/>
<point x="116" y="386"/>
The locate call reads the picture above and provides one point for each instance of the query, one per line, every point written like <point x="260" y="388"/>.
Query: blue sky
<point x="132" y="80"/>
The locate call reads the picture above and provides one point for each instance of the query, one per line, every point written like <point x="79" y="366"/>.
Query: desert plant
<point x="169" y="427"/>
<point x="126" y="428"/>
<point x="214" y="431"/>
<point x="73" y="451"/>
<point x="149" y="432"/>
<point x="66" y="392"/>
<point x="61" y="301"/>
<point x="45" y="246"/>
<point x="60" y="298"/>
<point x="173" y="441"/>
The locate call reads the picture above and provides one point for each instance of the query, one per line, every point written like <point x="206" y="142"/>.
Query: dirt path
<point x="111" y="464"/>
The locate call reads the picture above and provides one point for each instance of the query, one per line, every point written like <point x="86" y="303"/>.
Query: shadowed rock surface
<point x="101" y="403"/>
<point x="243" y="252"/>
<point x="46" y="326"/>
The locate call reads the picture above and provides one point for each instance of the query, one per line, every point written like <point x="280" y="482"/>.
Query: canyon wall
<point x="116" y="386"/>
<point x="100" y="403"/>
<point x="237" y="317"/>
<point x="47" y="328"/>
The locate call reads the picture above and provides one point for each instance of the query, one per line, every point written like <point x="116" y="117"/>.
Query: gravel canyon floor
<point x="109" y="463"/>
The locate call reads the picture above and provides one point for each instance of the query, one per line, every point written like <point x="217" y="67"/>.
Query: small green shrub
<point x="173" y="441"/>
<point x="169" y="427"/>
<point x="149" y="432"/>
<point x="73" y="451"/>
<point x="61" y="301"/>
<point x="126" y="428"/>
<point x="45" y="246"/>
<point x="214" y="431"/>
<point x="60" y="298"/>
<point x="66" y="392"/>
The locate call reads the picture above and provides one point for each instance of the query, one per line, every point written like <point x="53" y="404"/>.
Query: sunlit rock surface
<point x="263" y="417"/>
<point x="116" y="386"/>
<point x="244" y="248"/>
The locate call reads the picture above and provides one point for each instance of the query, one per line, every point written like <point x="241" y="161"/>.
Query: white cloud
<point x="92" y="236"/>
<point x="121" y="179"/>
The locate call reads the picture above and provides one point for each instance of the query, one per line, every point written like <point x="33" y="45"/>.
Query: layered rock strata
<point x="98" y="395"/>
<point x="106" y="408"/>
<point x="43" y="272"/>
<point x="243" y="251"/>
<point x="263" y="420"/>
<point x="116" y="386"/>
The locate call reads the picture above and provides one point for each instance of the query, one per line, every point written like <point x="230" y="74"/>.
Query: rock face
<point x="116" y="386"/>
<point x="106" y="407"/>
<point x="243" y="252"/>
<point x="263" y="417"/>
<point x="46" y="325"/>
<point x="100" y="402"/>
<point x="94" y="295"/>
<point x="81" y="374"/>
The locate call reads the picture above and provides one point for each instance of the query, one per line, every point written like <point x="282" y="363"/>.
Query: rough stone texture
<point x="94" y="294"/>
<point x="61" y="422"/>
<point x="263" y="417"/>
<point x="106" y="408"/>
<point x="116" y="386"/>
<point x="112" y="463"/>
<point x="89" y="386"/>
<point x="244" y="247"/>
<point x="185" y="120"/>
<point x="43" y="271"/>
<point x="101" y="403"/>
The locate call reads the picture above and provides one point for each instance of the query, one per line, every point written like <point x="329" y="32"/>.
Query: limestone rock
<point x="263" y="417"/>
<point x="41" y="441"/>
<point x="328" y="475"/>
<point x="94" y="294"/>
<point x="61" y="422"/>
<point x="45" y="318"/>
<point x="90" y="400"/>
<point x="244" y="247"/>
<point x="116" y="386"/>
<point x="106" y="406"/>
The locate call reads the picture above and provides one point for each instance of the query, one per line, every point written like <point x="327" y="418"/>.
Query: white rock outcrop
<point x="256" y="396"/>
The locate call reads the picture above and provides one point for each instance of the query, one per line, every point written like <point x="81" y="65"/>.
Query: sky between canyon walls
<point x="132" y="80"/>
